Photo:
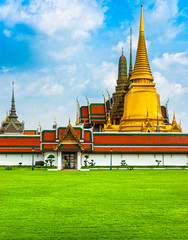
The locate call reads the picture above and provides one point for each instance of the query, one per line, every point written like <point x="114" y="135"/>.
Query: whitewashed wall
<point x="14" y="159"/>
<point x="100" y="159"/>
<point x="138" y="159"/>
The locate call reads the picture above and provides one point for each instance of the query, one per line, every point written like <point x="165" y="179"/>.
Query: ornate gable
<point x="69" y="137"/>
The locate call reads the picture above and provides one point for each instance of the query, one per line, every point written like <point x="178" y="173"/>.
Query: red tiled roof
<point x="49" y="146"/>
<point x="20" y="141"/>
<point x="17" y="149"/>
<point x="49" y="135"/>
<point x="84" y="112"/>
<point x="97" y="109"/>
<point x="29" y="132"/>
<point x="87" y="136"/>
<point x="125" y="139"/>
<point x="142" y="149"/>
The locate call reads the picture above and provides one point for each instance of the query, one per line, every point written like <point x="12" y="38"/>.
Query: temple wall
<point x="138" y="159"/>
<point x="15" y="158"/>
<point x="100" y="159"/>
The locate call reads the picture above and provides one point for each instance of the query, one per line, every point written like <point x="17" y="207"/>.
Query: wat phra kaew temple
<point x="130" y="126"/>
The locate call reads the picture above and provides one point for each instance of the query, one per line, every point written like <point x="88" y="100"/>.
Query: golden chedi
<point x="142" y="111"/>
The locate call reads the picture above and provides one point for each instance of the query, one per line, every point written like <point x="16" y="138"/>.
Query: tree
<point x="158" y="162"/>
<point x="50" y="159"/>
<point x="86" y="160"/>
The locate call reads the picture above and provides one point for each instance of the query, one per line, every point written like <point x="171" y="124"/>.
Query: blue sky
<point x="57" y="50"/>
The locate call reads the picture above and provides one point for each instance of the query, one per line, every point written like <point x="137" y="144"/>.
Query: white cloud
<point x="52" y="16"/>
<point x="7" y="33"/>
<point x="105" y="74"/>
<point x="171" y="59"/>
<point x="126" y="44"/>
<point x="4" y="69"/>
<point x="52" y="89"/>
<point x="161" y="20"/>
<point x="166" y="89"/>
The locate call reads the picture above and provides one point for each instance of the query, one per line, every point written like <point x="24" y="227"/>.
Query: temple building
<point x="135" y="105"/>
<point x="130" y="126"/>
<point x="11" y="125"/>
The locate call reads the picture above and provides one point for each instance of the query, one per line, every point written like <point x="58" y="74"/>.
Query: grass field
<point x="100" y="204"/>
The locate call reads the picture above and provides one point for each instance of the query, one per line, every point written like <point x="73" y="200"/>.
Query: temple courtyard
<point x="98" y="204"/>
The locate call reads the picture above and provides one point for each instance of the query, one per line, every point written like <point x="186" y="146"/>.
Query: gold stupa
<point x="142" y="111"/>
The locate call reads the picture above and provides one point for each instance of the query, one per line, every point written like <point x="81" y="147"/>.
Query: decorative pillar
<point x="59" y="160"/>
<point x="79" y="160"/>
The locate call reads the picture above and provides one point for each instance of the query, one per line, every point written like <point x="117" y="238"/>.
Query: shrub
<point x="123" y="163"/>
<point x="41" y="163"/>
<point x="39" y="166"/>
<point x="92" y="163"/>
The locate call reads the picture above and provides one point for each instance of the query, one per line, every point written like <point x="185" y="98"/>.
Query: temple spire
<point x="13" y="108"/>
<point x="130" y="64"/>
<point x="141" y="68"/>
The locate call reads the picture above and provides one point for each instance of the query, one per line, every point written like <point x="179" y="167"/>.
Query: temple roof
<point x="12" y="125"/>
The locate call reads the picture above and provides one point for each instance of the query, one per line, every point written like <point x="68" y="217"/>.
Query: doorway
<point x="69" y="160"/>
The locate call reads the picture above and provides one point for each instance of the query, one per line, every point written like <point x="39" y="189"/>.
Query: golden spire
<point x="109" y="120"/>
<point x="77" y="112"/>
<point x="130" y="64"/>
<point x="174" y="119"/>
<point x="141" y="68"/>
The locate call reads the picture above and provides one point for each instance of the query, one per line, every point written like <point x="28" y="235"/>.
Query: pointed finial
<point x="69" y="121"/>
<point x="109" y="119"/>
<point x="40" y="126"/>
<point x="77" y="112"/>
<point x="87" y="100"/>
<point x="77" y="101"/>
<point x="141" y="20"/>
<point x="12" y="90"/>
<point x="104" y="97"/>
<point x="130" y="65"/>
<point x="141" y="68"/>
<point x="122" y="50"/>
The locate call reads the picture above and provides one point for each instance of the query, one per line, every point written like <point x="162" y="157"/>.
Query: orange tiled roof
<point x="29" y="132"/>
<point x="140" y="139"/>
<point x="49" y="135"/>
<point x="142" y="149"/>
<point x="97" y="109"/>
<point x="19" y="141"/>
<point x="84" y="112"/>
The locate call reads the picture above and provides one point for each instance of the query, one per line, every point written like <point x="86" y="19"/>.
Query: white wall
<point x="138" y="159"/>
<point x="14" y="159"/>
<point x="100" y="159"/>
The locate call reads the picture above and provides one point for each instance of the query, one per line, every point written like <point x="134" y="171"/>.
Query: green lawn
<point x="100" y="204"/>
